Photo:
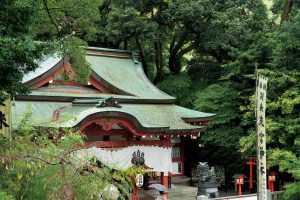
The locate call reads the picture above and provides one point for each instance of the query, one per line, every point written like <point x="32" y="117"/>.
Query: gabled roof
<point x="116" y="74"/>
<point x="116" y="69"/>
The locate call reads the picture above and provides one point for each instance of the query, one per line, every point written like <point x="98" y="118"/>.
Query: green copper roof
<point x="122" y="73"/>
<point x="42" y="112"/>
<point x="148" y="116"/>
<point x="126" y="75"/>
<point x="45" y="64"/>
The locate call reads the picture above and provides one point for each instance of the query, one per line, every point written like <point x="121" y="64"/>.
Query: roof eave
<point x="199" y="119"/>
<point x="72" y="98"/>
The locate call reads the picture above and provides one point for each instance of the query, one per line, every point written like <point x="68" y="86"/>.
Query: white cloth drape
<point x="158" y="158"/>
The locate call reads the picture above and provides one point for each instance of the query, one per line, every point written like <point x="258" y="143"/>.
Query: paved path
<point x="145" y="196"/>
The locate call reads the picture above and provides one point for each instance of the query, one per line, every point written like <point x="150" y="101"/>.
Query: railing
<point x="236" y="197"/>
<point x="274" y="196"/>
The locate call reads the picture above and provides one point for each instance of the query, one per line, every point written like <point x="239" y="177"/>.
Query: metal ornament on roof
<point x="109" y="102"/>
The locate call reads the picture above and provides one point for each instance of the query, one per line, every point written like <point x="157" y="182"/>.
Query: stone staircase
<point x="182" y="192"/>
<point x="177" y="192"/>
<point x="181" y="180"/>
<point x="180" y="189"/>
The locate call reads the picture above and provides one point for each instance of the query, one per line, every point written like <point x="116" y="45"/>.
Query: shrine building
<point x="118" y="109"/>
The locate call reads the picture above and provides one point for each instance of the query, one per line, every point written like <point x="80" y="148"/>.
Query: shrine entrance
<point x="122" y="135"/>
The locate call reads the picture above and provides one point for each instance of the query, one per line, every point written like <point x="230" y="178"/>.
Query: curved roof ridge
<point x="107" y="49"/>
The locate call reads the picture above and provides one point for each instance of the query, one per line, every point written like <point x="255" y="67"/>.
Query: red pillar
<point x="165" y="181"/>
<point x="271" y="185"/>
<point x="240" y="189"/>
<point x="135" y="192"/>
<point x="251" y="163"/>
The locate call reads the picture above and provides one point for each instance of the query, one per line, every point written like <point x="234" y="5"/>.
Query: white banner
<point x="261" y="94"/>
<point x="157" y="158"/>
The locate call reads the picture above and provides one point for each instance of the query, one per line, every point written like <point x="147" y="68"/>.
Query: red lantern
<point x="239" y="181"/>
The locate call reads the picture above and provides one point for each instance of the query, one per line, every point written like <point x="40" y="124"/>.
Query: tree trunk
<point x="174" y="60"/>
<point x="125" y="44"/>
<point x="287" y="8"/>
<point x="142" y="55"/>
<point x="158" y="61"/>
<point x="174" y="64"/>
<point x="177" y="53"/>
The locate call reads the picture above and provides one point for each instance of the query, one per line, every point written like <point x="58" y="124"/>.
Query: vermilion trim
<point x="99" y="85"/>
<point x="66" y="68"/>
<point x="128" y="124"/>
<point x="43" y="82"/>
<point x="50" y="77"/>
<point x="110" y="132"/>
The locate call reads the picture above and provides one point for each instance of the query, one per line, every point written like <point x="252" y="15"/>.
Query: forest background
<point x="201" y="51"/>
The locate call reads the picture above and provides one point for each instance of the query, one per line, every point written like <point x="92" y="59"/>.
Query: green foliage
<point x="223" y="132"/>
<point x="179" y="86"/>
<point x="42" y="164"/>
<point x="287" y="162"/>
<point x="225" y="39"/>
<point x="17" y="49"/>
<point x="283" y="102"/>
<point x="23" y="21"/>
<point x="221" y="71"/>
<point x="73" y="48"/>
<point x="4" y="196"/>
<point x="57" y="18"/>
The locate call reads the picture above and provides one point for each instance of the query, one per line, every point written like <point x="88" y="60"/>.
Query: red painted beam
<point x="99" y="85"/>
<point x="129" y="125"/>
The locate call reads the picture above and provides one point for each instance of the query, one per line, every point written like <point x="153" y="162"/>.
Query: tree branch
<point x="50" y="17"/>
<point x="287" y="8"/>
<point x="187" y="49"/>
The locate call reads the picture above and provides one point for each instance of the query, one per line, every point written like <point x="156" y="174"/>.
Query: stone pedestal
<point x="202" y="197"/>
<point x="208" y="189"/>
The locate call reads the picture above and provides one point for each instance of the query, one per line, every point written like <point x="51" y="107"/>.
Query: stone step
<point x="179" y="192"/>
<point x="182" y="180"/>
<point x="182" y="198"/>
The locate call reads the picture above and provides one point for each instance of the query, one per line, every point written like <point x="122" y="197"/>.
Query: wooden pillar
<point x="240" y="189"/>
